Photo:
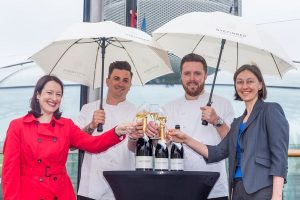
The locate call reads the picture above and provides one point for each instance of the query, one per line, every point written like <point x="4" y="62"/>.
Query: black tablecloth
<point x="167" y="185"/>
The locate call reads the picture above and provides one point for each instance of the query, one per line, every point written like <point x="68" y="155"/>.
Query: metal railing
<point x="294" y="153"/>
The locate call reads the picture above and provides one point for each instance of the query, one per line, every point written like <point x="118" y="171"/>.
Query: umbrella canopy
<point x="202" y="33"/>
<point x="77" y="55"/>
<point x="85" y="50"/>
<point x="225" y="41"/>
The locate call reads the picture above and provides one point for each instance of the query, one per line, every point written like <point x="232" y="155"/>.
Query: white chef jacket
<point x="187" y="114"/>
<point x="92" y="182"/>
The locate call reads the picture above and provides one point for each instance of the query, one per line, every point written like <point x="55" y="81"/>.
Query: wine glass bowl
<point x="162" y="127"/>
<point x="142" y="116"/>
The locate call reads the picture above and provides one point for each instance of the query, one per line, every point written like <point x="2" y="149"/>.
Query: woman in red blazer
<point x="37" y="145"/>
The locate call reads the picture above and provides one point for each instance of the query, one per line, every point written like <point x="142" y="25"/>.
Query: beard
<point x="195" y="90"/>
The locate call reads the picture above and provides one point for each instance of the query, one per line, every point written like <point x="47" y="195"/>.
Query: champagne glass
<point x="154" y="111"/>
<point x="141" y="115"/>
<point x="162" y="121"/>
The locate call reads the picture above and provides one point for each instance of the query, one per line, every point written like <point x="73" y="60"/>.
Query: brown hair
<point x="262" y="94"/>
<point x="34" y="104"/>
<point x="192" y="57"/>
<point x="122" y="65"/>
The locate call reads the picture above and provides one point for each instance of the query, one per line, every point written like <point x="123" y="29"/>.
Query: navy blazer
<point x="264" y="147"/>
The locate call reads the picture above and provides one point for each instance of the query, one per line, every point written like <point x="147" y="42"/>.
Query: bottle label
<point x="177" y="164"/>
<point x="143" y="162"/>
<point x="161" y="164"/>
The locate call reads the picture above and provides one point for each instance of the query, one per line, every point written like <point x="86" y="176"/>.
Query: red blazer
<point x="35" y="156"/>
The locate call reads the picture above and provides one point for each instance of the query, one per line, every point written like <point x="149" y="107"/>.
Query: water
<point x="14" y="102"/>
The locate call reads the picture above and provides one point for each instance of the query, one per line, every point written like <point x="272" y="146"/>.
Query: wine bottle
<point x="143" y="154"/>
<point x="161" y="161"/>
<point x="176" y="158"/>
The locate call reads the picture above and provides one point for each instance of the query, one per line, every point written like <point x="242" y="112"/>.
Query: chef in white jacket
<point x="117" y="110"/>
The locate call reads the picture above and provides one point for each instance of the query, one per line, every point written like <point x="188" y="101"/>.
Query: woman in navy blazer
<point x="256" y="145"/>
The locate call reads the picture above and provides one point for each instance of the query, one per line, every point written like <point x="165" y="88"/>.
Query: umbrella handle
<point x="100" y="127"/>
<point x="204" y="122"/>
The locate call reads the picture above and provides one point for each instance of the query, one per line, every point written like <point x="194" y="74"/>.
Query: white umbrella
<point x="225" y="41"/>
<point x="85" y="50"/>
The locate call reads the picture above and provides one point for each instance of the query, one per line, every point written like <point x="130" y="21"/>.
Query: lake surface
<point x="14" y="102"/>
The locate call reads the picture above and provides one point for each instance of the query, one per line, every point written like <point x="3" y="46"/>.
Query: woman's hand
<point x="137" y="131"/>
<point x="133" y="130"/>
<point x="176" y="135"/>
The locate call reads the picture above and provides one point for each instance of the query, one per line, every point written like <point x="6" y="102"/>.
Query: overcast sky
<point x="27" y="26"/>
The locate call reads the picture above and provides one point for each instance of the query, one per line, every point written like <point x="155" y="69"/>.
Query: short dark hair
<point x="262" y="94"/>
<point x="34" y="103"/>
<point x="192" y="57"/>
<point x="122" y="65"/>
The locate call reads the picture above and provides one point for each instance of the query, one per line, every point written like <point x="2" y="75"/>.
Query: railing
<point x="294" y="153"/>
<point x="291" y="189"/>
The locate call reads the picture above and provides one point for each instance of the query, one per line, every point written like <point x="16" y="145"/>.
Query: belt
<point x="43" y="171"/>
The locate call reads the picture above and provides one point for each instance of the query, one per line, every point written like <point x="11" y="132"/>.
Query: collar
<point x="29" y="118"/>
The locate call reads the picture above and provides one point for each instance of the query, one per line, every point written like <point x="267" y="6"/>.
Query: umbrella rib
<point x="110" y="43"/>
<point x="198" y="43"/>
<point x="94" y="40"/>
<point x="63" y="55"/>
<point x="131" y="61"/>
<point x="161" y="36"/>
<point x="276" y="65"/>
<point x="96" y="60"/>
<point x="6" y="77"/>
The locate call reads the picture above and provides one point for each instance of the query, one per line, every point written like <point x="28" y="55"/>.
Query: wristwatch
<point x="219" y="123"/>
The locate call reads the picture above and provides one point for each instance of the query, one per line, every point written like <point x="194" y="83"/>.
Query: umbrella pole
<point x="103" y="40"/>
<point x="204" y="122"/>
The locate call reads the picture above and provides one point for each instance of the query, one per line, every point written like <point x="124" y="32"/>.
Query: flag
<point x="143" y="24"/>
<point x="133" y="18"/>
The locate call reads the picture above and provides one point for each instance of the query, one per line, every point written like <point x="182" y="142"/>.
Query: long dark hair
<point x="34" y="103"/>
<point x="262" y="93"/>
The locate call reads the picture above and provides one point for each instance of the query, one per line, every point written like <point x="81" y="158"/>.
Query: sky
<point x="28" y="26"/>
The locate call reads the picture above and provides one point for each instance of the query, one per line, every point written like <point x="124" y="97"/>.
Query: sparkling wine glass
<point x="162" y="121"/>
<point x="154" y="110"/>
<point x="142" y="115"/>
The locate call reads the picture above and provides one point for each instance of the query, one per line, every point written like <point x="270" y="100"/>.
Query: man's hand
<point x="98" y="117"/>
<point x="209" y="114"/>
<point x="152" y="130"/>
